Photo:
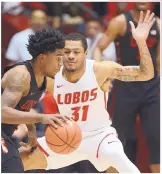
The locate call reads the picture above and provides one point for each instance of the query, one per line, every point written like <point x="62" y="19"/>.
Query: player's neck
<point x="73" y="77"/>
<point x="37" y="72"/>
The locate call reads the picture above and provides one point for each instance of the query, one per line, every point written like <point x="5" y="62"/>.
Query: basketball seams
<point x="67" y="140"/>
<point x="73" y="137"/>
<point x="57" y="137"/>
<point x="60" y="138"/>
<point x="68" y="135"/>
<point x="71" y="140"/>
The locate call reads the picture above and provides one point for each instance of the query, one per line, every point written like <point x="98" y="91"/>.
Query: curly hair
<point x="77" y="37"/>
<point x="47" y="40"/>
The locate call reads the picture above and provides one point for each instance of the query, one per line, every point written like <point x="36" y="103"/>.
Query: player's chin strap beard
<point x="69" y="78"/>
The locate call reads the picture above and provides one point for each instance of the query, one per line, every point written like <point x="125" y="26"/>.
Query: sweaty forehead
<point x="73" y="44"/>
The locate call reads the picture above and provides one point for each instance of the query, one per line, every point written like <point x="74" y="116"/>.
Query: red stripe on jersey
<point x="100" y="144"/>
<point x="44" y="151"/>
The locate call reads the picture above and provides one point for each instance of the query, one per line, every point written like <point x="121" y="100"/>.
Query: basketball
<point x="63" y="140"/>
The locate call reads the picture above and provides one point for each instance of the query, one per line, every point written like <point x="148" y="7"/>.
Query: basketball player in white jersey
<point x="77" y="91"/>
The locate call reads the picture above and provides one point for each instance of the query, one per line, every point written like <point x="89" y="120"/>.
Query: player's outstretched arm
<point x="113" y="30"/>
<point x="145" y="71"/>
<point x="17" y="86"/>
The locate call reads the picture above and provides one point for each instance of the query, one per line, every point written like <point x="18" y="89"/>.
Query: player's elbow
<point x="147" y="77"/>
<point x="151" y="75"/>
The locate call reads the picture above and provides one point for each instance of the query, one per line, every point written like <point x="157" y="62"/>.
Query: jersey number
<point x="84" y="113"/>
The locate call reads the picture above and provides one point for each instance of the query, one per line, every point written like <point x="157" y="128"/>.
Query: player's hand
<point x="55" y="120"/>
<point x="31" y="136"/>
<point x="144" y="25"/>
<point x="24" y="150"/>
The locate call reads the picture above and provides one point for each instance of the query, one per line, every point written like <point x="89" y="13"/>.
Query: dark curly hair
<point x="77" y="37"/>
<point x="47" y="40"/>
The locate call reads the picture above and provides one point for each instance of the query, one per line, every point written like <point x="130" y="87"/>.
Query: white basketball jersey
<point x="83" y="100"/>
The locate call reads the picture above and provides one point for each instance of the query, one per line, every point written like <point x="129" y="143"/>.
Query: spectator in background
<point x="12" y="8"/>
<point x="54" y="11"/>
<point x="17" y="51"/>
<point x="94" y="32"/>
<point x="72" y="15"/>
<point x="65" y="13"/>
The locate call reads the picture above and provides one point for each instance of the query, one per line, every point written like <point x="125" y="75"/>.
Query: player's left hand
<point x="24" y="150"/>
<point x="144" y="25"/>
<point x="31" y="136"/>
<point x="31" y="143"/>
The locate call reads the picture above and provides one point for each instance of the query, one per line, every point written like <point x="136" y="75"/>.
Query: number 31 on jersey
<point x="80" y="113"/>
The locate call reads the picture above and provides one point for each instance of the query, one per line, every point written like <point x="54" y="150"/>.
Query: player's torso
<point x="84" y="99"/>
<point x="28" y="101"/>
<point x="128" y="53"/>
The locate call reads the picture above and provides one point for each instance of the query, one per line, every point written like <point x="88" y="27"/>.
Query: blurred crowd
<point x="88" y="18"/>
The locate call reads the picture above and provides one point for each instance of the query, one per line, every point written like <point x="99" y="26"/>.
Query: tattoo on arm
<point x="126" y="78"/>
<point x="143" y="72"/>
<point x="146" y="64"/>
<point x="127" y="73"/>
<point x="14" y="90"/>
<point x="145" y="61"/>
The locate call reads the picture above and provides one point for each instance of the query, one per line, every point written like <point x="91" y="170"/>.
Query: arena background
<point x="15" y="18"/>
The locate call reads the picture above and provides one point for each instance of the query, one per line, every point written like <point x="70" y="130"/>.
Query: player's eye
<point x="67" y="52"/>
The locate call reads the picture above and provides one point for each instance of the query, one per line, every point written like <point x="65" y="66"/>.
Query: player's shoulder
<point x="103" y="70"/>
<point x="18" y="75"/>
<point x="117" y="24"/>
<point x="119" y="20"/>
<point x="99" y="66"/>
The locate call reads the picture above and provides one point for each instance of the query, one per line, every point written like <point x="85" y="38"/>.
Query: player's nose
<point x="71" y="56"/>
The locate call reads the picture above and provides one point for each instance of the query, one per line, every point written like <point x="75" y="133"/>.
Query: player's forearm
<point x="146" y="64"/>
<point x="10" y="115"/>
<point x="31" y="131"/>
<point x="97" y="54"/>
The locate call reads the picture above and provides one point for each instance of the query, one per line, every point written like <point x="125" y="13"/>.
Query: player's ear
<point x="86" y="52"/>
<point x="42" y="56"/>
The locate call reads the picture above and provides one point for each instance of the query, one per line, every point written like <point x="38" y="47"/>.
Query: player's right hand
<point x="140" y="33"/>
<point x="55" y="120"/>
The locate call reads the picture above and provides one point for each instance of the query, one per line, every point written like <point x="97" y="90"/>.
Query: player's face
<point x="74" y="56"/>
<point x="52" y="62"/>
<point x="93" y="28"/>
<point x="141" y="6"/>
<point x="38" y="20"/>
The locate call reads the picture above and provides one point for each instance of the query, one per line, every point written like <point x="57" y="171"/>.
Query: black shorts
<point x="131" y="102"/>
<point x="11" y="161"/>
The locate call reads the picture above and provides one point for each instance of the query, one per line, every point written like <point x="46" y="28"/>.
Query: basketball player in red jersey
<point x="22" y="87"/>
<point x="131" y="96"/>
<point x="77" y="91"/>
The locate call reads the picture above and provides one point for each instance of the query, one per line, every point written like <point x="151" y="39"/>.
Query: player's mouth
<point x="71" y="63"/>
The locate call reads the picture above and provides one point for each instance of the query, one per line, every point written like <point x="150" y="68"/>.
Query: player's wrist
<point x="141" y="42"/>
<point x="40" y="118"/>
